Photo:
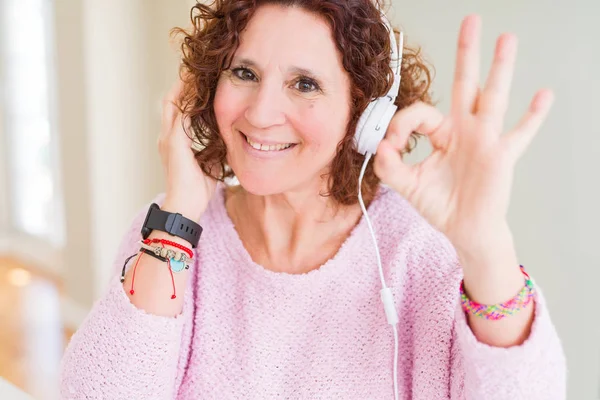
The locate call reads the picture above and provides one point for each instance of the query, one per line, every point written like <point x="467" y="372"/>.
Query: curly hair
<point x="363" y="40"/>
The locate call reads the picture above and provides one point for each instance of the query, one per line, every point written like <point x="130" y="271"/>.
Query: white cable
<point x="364" y="211"/>
<point x="386" y="293"/>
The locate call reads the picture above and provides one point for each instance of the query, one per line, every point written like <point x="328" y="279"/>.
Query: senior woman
<point x="270" y="288"/>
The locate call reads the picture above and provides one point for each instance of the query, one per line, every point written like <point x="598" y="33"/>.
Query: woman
<point x="281" y="299"/>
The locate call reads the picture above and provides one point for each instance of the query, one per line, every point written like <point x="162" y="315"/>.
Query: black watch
<point x="172" y="223"/>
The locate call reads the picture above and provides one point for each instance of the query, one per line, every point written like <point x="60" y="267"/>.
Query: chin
<point x="259" y="185"/>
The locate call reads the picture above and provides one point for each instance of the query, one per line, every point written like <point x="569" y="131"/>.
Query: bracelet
<point x="157" y="256"/>
<point x="498" y="311"/>
<point x="124" y="265"/>
<point x="187" y="250"/>
<point x="177" y="259"/>
<point x="153" y="254"/>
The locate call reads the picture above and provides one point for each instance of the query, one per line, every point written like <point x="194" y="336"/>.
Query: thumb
<point x="392" y="171"/>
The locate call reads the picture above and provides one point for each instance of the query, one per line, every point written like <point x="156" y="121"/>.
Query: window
<point x="27" y="92"/>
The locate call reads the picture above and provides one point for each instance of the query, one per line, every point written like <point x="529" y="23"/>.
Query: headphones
<point x="370" y="130"/>
<point x="374" y="122"/>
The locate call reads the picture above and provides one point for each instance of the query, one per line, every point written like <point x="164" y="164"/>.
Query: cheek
<point x="226" y="109"/>
<point x="322" y="128"/>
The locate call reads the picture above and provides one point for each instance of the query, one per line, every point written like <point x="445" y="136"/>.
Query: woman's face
<point x="284" y="105"/>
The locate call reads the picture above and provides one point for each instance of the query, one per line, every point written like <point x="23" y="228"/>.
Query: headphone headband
<point x="373" y="123"/>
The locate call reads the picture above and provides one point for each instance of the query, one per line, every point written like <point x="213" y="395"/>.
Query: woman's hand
<point x="463" y="187"/>
<point x="188" y="189"/>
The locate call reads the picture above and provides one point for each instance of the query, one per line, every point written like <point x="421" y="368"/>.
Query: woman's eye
<point x="243" y="73"/>
<point x="305" y="85"/>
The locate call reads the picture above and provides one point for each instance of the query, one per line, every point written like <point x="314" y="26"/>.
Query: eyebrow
<point x="293" y="69"/>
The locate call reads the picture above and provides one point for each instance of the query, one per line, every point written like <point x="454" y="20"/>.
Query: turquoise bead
<point x="177" y="266"/>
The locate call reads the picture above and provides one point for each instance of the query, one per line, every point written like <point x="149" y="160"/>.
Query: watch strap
<point x="173" y="223"/>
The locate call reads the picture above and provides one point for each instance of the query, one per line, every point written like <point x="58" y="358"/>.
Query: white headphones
<point x="370" y="130"/>
<point x="375" y="120"/>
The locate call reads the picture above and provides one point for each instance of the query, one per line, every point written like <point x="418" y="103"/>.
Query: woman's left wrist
<point x="491" y="270"/>
<point x="480" y="243"/>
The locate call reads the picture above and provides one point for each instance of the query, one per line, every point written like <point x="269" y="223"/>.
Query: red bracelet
<point x="162" y="242"/>
<point x="189" y="252"/>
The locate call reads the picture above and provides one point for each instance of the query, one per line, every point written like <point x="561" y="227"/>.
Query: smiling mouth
<point x="266" y="147"/>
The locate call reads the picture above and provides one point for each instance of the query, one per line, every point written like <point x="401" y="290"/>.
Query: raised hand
<point x="188" y="189"/>
<point x="463" y="188"/>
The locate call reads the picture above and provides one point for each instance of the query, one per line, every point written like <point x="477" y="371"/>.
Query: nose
<point x="266" y="107"/>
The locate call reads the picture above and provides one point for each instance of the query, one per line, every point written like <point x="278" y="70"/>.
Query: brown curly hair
<point x="363" y="40"/>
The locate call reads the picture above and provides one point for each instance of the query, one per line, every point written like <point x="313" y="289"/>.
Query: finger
<point x="169" y="107"/>
<point x="494" y="98"/>
<point x="418" y="117"/>
<point x="392" y="171"/>
<point x="182" y="128"/>
<point x="521" y="136"/>
<point x="466" y="75"/>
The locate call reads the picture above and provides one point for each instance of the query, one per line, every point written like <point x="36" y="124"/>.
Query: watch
<point x="172" y="223"/>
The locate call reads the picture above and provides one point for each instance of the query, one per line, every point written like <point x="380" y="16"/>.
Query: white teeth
<point x="266" y="147"/>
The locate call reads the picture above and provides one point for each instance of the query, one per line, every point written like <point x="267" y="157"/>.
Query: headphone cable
<point x="386" y="293"/>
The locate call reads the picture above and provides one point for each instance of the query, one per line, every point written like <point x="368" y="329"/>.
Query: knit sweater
<point x="246" y="332"/>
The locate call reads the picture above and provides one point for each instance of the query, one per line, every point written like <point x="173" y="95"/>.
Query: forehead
<point x="286" y="37"/>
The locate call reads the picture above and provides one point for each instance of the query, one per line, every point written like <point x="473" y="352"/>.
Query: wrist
<point x="493" y="277"/>
<point x="189" y="210"/>
<point x="177" y="219"/>
<point x="485" y="245"/>
<point x="490" y="265"/>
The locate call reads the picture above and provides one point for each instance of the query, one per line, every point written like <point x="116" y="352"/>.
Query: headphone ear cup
<point x="361" y="131"/>
<point x="373" y="125"/>
<point x="374" y="121"/>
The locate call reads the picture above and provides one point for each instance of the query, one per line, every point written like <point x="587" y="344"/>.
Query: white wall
<point x="130" y="64"/>
<point x="4" y="220"/>
<point x="555" y="210"/>
<point x="114" y="63"/>
<point x="4" y="212"/>
<point x="119" y="120"/>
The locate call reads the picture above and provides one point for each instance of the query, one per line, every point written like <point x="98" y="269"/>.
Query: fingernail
<point x="507" y="44"/>
<point x="473" y="24"/>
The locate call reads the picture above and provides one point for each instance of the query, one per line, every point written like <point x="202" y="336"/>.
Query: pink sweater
<point x="250" y="333"/>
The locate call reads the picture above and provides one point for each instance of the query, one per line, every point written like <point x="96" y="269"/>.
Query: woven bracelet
<point x="498" y="311"/>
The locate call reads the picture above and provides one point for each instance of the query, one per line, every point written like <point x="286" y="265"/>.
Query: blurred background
<point x="81" y="84"/>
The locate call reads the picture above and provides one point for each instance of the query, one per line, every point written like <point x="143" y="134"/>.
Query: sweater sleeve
<point x="534" y="370"/>
<point x="122" y="352"/>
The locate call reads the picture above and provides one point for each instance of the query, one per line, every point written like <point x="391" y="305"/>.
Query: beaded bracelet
<point x="187" y="250"/>
<point x="155" y="255"/>
<point x="498" y="311"/>
<point x="177" y="260"/>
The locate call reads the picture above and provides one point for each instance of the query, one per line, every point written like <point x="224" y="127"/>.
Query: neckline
<point x="358" y="237"/>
